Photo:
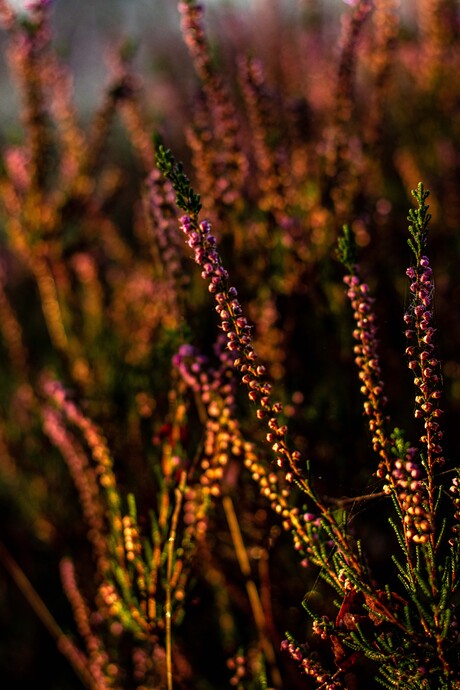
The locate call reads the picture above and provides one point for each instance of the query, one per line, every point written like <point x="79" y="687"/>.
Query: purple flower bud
<point x="194" y="239"/>
<point x="205" y="227"/>
<point x="185" y="222"/>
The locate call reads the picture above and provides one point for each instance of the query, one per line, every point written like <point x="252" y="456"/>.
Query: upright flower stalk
<point x="366" y="351"/>
<point x="305" y="528"/>
<point x="200" y="239"/>
<point x="412" y="474"/>
<point x="421" y="350"/>
<point x="398" y="464"/>
<point x="421" y="353"/>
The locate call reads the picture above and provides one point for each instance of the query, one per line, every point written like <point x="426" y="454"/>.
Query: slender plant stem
<point x="253" y="594"/>
<point x="172" y="537"/>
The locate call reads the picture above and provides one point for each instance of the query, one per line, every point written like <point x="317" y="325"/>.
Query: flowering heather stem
<point x="84" y="478"/>
<point x="55" y="392"/>
<point x="366" y="351"/>
<point x="398" y="464"/>
<point x="239" y="341"/>
<point x="421" y="352"/>
<point x="233" y="323"/>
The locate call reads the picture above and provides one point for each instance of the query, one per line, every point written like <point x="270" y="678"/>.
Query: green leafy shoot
<point x="186" y="198"/>
<point x="346" y="249"/>
<point x="419" y="219"/>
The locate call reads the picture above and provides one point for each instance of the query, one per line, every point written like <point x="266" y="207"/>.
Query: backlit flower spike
<point x="96" y="661"/>
<point x="366" y="350"/>
<point x="422" y="358"/>
<point x="201" y="240"/>
<point x="420" y="331"/>
<point x="398" y="461"/>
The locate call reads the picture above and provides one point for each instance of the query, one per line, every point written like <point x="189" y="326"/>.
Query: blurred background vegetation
<point x="312" y="361"/>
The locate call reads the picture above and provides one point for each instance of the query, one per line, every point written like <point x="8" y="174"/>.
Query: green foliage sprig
<point x="419" y="219"/>
<point x="186" y="198"/>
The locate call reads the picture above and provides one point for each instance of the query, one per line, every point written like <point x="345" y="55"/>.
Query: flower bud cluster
<point x="216" y="390"/>
<point x="260" y="111"/>
<point x="112" y="606"/>
<point x="321" y="627"/>
<point x="238" y="665"/>
<point x="223" y="438"/>
<point x="303" y="527"/>
<point x="102" y="671"/>
<point x="99" y="450"/>
<point x="309" y="538"/>
<point x="132" y="540"/>
<point x="422" y="360"/>
<point x="411" y="493"/>
<point x="367" y="360"/>
<point x="310" y="665"/>
<point x="269" y="484"/>
<point x="195" y="514"/>
<point x="454" y="490"/>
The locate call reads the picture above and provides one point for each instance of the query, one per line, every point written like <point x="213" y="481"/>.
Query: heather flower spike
<point x="426" y="369"/>
<point x="366" y="350"/>
<point x="233" y="322"/>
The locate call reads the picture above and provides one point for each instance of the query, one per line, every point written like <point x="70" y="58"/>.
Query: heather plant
<point x="187" y="445"/>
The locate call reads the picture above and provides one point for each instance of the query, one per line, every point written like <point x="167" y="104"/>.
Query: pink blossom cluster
<point x="310" y="665"/>
<point x="412" y="496"/>
<point x="422" y="359"/>
<point x="84" y="478"/>
<point x="455" y="492"/>
<point x="102" y="672"/>
<point x="216" y="389"/>
<point x="367" y="360"/>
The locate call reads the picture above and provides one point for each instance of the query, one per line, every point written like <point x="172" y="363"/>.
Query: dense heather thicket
<point x="229" y="341"/>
